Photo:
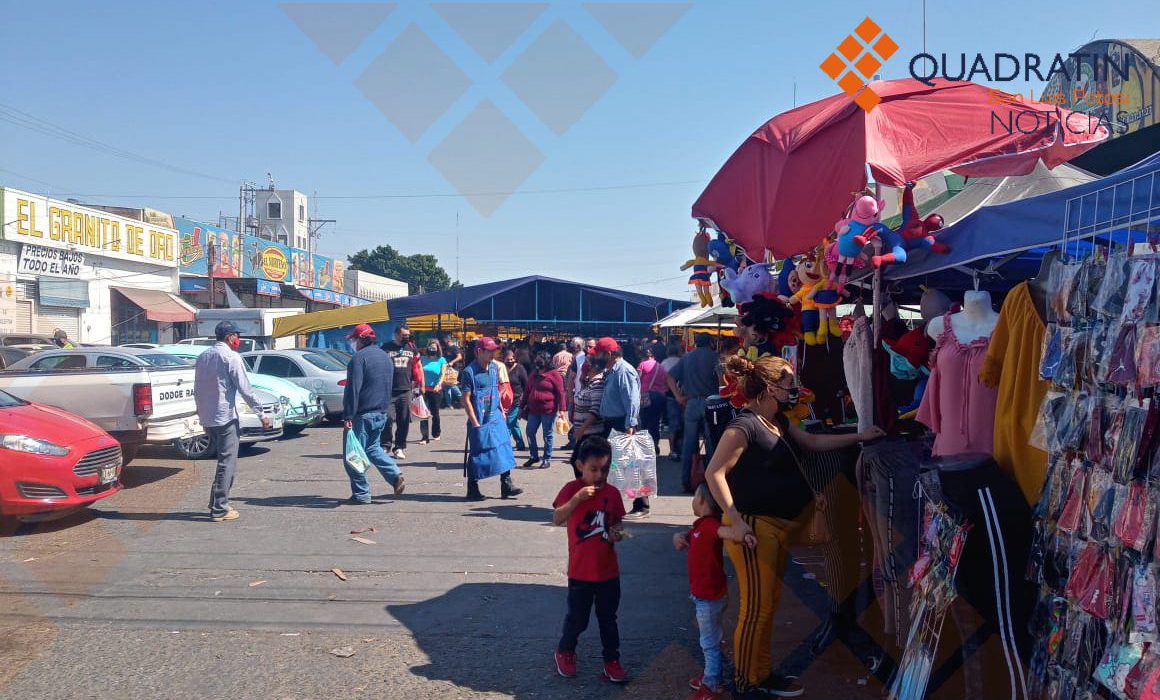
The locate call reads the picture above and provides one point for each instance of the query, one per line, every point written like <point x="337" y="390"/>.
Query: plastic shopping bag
<point x="419" y="408"/>
<point x="355" y="455"/>
<point x="634" y="464"/>
<point x="563" y="425"/>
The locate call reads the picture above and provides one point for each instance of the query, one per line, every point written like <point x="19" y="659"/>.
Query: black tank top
<point x="766" y="480"/>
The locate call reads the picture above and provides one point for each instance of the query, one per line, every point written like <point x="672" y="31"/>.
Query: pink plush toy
<point x="854" y="232"/>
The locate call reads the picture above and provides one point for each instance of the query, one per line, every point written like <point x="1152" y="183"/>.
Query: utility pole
<point x="209" y="263"/>
<point x="314" y="226"/>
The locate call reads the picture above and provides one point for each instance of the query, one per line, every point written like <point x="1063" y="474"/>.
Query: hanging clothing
<point x="490" y="445"/>
<point x="856" y="357"/>
<point x="1012" y="366"/>
<point x="957" y="406"/>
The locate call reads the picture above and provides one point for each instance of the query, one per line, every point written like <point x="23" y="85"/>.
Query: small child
<point x="707" y="585"/>
<point x="593" y="511"/>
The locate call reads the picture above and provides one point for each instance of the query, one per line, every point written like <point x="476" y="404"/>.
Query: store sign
<point x="8" y="306"/>
<point x="329" y="297"/>
<point x="1115" y="83"/>
<point x="267" y="288"/>
<point x="54" y="262"/>
<point x="50" y="223"/>
<point x="238" y="255"/>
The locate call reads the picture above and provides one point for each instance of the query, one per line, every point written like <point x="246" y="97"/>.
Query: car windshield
<point x="9" y="401"/>
<point x="164" y="360"/>
<point x="324" y="362"/>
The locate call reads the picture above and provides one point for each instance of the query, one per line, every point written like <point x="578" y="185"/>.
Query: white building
<point x="283" y="216"/>
<point x="102" y="278"/>
<point x="371" y="287"/>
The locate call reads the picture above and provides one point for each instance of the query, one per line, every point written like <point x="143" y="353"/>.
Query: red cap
<point x="362" y="330"/>
<point x="486" y="343"/>
<point x="607" y="345"/>
<point x="915" y="346"/>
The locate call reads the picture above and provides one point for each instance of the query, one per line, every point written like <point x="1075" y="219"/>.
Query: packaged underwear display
<point x="1095" y="545"/>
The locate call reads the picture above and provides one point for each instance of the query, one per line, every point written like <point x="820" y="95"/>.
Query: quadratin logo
<point x="864" y="52"/>
<point x="414" y="83"/>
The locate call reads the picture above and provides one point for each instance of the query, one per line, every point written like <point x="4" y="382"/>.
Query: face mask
<point x="791" y="399"/>
<point x="234" y="342"/>
<point x="540" y="364"/>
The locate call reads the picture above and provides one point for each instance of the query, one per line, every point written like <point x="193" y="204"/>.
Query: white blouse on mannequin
<point x="977" y="319"/>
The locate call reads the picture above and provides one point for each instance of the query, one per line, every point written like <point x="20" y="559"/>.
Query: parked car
<point x="307" y="368"/>
<point x="250" y="427"/>
<point x="303" y="407"/>
<point x="139" y="346"/>
<point x="7" y="339"/>
<point x="9" y="356"/>
<point x="248" y="344"/>
<point x="137" y="396"/>
<point x="52" y="462"/>
<point x="341" y="355"/>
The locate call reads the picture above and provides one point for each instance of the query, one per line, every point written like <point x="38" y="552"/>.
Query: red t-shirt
<point x="706" y="562"/>
<point x="591" y="556"/>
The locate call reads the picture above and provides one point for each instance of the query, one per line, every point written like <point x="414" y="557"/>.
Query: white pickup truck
<point x="144" y="398"/>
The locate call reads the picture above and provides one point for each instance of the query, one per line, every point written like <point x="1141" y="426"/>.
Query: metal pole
<point x="209" y="264"/>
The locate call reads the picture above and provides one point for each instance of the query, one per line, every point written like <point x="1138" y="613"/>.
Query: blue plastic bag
<point x="355" y="455"/>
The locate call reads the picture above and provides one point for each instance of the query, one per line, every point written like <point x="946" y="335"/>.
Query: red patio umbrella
<point x="787" y="185"/>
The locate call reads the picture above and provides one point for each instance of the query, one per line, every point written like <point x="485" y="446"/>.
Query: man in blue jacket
<point x="365" y="401"/>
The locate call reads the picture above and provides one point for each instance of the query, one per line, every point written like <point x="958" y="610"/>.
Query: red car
<point x="52" y="462"/>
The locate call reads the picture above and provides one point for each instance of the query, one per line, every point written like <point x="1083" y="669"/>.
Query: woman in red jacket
<point x="542" y="402"/>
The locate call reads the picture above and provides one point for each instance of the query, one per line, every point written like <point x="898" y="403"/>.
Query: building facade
<point x="283" y="216"/>
<point x="103" y="278"/>
<point x="372" y="287"/>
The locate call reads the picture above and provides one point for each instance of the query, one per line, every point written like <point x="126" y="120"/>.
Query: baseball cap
<point x="226" y="328"/>
<point x="362" y="330"/>
<point x="607" y="345"/>
<point x="488" y="344"/>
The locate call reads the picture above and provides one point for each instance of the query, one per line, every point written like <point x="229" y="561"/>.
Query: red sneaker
<point x="695" y="682"/>
<point x="566" y="663"/>
<point x="614" y="672"/>
<point x="707" y="693"/>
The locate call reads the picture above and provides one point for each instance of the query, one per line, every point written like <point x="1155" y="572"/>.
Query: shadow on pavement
<point x="142" y="476"/>
<point x="519" y="512"/>
<point x="427" y="498"/>
<point x="335" y="455"/>
<point x="10" y="527"/>
<point x="191" y="516"/>
<point x="316" y="502"/>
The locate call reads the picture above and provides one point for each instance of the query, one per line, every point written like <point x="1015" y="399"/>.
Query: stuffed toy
<point x="702" y="268"/>
<point x="768" y="325"/>
<point x="818" y="319"/>
<point x="854" y="232"/>
<point x="909" y="360"/>
<point x="750" y="281"/>
<point x="832" y="257"/>
<point x="916" y="232"/>
<point x="728" y="255"/>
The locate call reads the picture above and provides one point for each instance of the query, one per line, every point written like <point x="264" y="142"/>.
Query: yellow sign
<point x="274" y="264"/>
<point x="30" y="218"/>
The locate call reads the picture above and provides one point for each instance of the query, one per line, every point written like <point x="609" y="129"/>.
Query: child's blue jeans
<point x="709" y="613"/>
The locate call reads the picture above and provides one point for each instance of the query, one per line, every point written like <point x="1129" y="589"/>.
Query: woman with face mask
<point x="755" y="477"/>
<point x="434" y="367"/>
<point x="542" y="402"/>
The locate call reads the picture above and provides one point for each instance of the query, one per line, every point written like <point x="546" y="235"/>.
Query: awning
<point x="159" y="305"/>
<point x="302" y="324"/>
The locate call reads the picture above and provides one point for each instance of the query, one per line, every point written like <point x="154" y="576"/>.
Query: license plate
<point x="108" y="474"/>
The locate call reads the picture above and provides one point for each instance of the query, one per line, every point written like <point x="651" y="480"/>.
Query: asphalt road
<point x="143" y="597"/>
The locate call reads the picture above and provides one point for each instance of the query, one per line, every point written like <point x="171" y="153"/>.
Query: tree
<point x="420" y="271"/>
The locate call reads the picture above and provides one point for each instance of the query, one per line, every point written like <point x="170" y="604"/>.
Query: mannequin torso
<point x="977" y="319"/>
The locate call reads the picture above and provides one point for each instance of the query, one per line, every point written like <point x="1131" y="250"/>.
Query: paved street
<point x="143" y="597"/>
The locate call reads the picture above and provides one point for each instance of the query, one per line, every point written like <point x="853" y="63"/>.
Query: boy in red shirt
<point x="592" y="510"/>
<point x="707" y="585"/>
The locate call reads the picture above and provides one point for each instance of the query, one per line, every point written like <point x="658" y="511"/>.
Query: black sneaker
<point x="780" y="686"/>
<point x="637" y="514"/>
<point x="531" y="463"/>
<point x="352" y="501"/>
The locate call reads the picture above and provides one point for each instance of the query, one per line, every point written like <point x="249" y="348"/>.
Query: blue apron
<point x="490" y="445"/>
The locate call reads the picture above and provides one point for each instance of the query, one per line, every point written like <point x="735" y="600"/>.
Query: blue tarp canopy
<point x="1005" y="243"/>
<point x="543" y="304"/>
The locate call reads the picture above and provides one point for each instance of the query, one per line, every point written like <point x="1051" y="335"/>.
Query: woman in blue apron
<point x="489" y="446"/>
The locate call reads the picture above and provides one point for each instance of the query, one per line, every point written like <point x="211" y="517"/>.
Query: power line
<point x="18" y="117"/>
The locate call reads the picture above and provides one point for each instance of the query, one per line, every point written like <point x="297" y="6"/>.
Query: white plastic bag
<point x="634" y="464"/>
<point x="419" y="408"/>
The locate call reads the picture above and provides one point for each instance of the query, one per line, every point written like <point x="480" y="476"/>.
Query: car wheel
<point x="289" y="429"/>
<point x="197" y="447"/>
<point x="128" y="454"/>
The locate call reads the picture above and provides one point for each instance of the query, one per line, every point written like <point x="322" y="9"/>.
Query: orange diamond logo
<point x="871" y="47"/>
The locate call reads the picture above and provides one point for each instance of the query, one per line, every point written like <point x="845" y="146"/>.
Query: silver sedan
<point x="309" y="369"/>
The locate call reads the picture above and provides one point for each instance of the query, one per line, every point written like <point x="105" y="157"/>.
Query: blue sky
<point x="235" y="90"/>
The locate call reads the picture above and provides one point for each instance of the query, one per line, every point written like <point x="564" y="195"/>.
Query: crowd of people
<point x="751" y="494"/>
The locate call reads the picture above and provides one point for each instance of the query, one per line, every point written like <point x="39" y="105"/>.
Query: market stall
<point x="947" y="495"/>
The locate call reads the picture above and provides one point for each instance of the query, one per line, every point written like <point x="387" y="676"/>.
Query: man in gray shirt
<point x="693" y="380"/>
<point x="219" y="376"/>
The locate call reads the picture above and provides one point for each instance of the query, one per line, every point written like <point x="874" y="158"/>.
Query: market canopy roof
<point x="537" y="301"/>
<point x="159" y="305"/>
<point x="302" y="324"/>
<point x="1108" y="208"/>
